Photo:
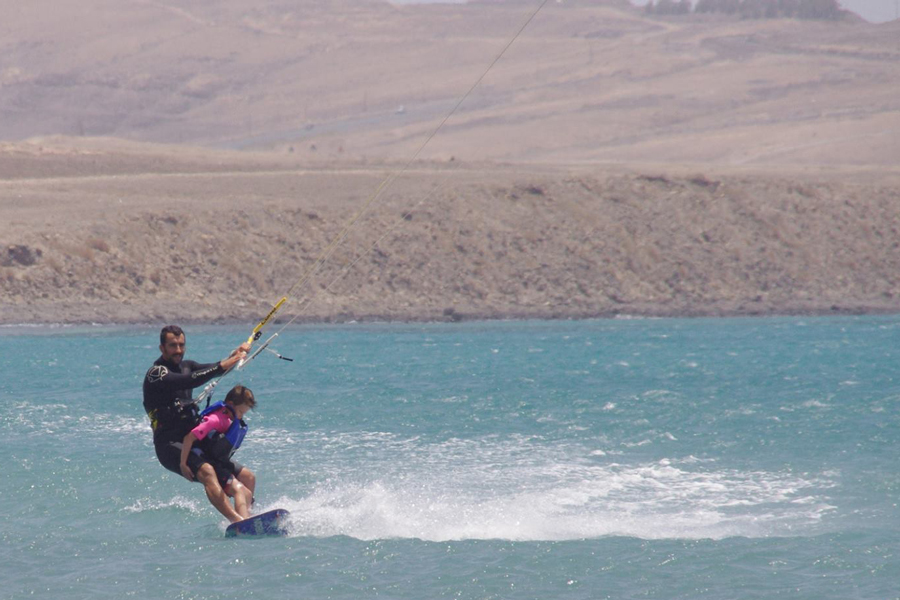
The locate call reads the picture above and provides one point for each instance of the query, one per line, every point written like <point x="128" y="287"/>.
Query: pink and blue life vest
<point x="223" y="445"/>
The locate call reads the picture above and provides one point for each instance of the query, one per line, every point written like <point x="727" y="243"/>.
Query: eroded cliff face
<point x="220" y="237"/>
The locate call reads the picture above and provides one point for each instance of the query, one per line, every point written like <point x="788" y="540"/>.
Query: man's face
<point x="173" y="349"/>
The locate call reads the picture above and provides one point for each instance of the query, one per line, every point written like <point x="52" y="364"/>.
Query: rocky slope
<point x="200" y="236"/>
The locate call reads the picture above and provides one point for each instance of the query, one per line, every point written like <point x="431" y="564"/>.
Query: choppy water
<point x="734" y="458"/>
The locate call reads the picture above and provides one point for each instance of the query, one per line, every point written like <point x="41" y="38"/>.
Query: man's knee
<point x="245" y="492"/>
<point x="247" y="477"/>
<point x="206" y="473"/>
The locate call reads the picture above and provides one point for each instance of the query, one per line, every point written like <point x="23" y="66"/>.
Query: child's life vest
<point x="218" y="445"/>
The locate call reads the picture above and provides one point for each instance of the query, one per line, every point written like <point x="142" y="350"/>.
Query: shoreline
<point x="468" y="317"/>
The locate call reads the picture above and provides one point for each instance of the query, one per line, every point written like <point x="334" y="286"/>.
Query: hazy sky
<point x="876" y="11"/>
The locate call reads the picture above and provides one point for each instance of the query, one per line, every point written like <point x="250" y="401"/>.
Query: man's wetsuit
<point x="166" y="386"/>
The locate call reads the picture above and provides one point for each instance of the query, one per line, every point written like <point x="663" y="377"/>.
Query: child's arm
<point x="186" y="446"/>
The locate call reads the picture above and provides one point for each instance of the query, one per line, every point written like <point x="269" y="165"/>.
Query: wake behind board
<point x="272" y="523"/>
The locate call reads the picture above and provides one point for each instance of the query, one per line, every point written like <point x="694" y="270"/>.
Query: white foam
<point x="500" y="494"/>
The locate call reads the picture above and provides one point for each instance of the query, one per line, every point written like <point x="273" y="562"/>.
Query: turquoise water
<point x="733" y="458"/>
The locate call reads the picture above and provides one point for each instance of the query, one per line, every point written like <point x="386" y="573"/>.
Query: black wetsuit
<point x="166" y="385"/>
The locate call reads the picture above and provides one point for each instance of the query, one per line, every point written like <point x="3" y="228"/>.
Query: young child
<point x="219" y="434"/>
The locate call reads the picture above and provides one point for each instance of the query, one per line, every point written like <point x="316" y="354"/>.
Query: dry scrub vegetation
<point x="455" y="242"/>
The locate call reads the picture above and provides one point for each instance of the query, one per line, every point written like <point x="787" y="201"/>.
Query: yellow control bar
<point x="255" y="334"/>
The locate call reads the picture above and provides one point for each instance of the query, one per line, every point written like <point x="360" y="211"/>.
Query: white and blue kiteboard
<point x="272" y="523"/>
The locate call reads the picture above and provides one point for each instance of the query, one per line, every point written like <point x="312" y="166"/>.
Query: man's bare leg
<point x="248" y="478"/>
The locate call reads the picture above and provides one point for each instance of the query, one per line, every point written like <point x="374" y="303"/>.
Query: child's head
<point x="240" y="396"/>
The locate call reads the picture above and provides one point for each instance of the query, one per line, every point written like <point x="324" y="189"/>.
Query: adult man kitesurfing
<point x="167" y="386"/>
<point x="167" y="400"/>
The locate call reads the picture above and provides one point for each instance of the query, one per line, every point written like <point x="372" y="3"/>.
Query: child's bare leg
<point x="242" y="497"/>
<point x="207" y="476"/>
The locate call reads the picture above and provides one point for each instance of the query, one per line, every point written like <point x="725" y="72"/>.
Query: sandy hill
<point x="586" y="81"/>
<point x="190" y="161"/>
<point x="106" y="231"/>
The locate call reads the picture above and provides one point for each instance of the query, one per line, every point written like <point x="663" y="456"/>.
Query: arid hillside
<point x="587" y="81"/>
<point x="105" y="231"/>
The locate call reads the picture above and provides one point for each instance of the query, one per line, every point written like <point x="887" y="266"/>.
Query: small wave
<point x="661" y="395"/>
<point x="178" y="502"/>
<point x="453" y="399"/>
<point x="27" y="416"/>
<point x="57" y="419"/>
<point x="112" y="424"/>
<point x="14" y="326"/>
<point x="815" y="404"/>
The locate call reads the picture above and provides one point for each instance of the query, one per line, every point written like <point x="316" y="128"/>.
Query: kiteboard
<point x="272" y="523"/>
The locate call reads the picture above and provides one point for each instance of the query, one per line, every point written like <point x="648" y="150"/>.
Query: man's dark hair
<point x="173" y="329"/>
